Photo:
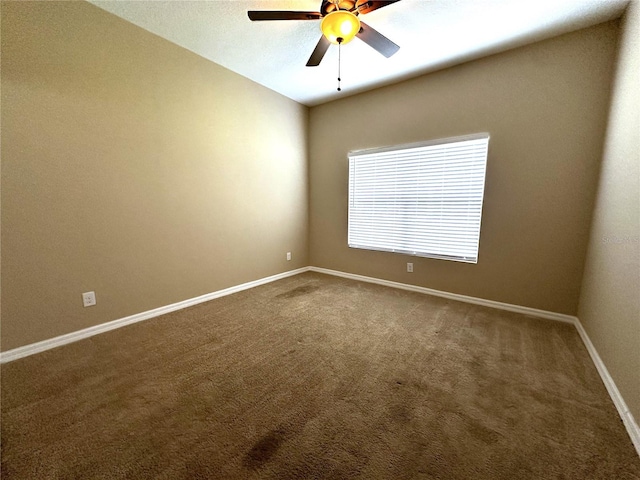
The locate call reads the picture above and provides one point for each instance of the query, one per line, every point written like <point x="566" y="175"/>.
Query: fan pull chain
<point x="339" y="50"/>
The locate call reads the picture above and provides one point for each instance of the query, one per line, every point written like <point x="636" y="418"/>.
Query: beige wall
<point x="137" y="169"/>
<point x="545" y="107"/>
<point x="610" y="296"/>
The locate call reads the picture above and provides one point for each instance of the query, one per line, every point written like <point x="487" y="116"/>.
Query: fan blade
<point x="376" y="40"/>
<point x="371" y="5"/>
<point x="318" y="52"/>
<point x="255" y="15"/>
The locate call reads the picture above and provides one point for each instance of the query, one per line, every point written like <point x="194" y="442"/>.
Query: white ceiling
<point x="432" y="34"/>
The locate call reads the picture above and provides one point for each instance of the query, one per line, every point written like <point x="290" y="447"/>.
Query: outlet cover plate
<point x="89" y="299"/>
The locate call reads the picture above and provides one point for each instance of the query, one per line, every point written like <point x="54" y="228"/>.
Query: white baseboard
<point x="50" y="343"/>
<point x="623" y="410"/>
<point x="38" y="347"/>
<point x="453" y="296"/>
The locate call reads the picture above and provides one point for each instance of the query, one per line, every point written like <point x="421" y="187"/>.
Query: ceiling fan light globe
<point x="340" y="24"/>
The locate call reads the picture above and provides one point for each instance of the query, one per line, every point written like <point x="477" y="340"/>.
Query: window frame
<point x="479" y="181"/>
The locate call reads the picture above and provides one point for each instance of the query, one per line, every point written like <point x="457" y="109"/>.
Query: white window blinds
<point x="420" y="199"/>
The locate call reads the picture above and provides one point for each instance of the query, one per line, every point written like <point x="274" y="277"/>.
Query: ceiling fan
<point x="340" y="24"/>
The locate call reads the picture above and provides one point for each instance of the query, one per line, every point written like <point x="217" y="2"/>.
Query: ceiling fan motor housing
<point x="329" y="6"/>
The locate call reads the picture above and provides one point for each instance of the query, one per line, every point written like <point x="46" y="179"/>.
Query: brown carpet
<point x="321" y="378"/>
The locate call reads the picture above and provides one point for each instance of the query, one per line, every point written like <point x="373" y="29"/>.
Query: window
<point x="421" y="199"/>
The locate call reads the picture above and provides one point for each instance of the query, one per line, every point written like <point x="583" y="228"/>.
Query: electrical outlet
<point x="288" y="255"/>
<point x="409" y="267"/>
<point x="89" y="299"/>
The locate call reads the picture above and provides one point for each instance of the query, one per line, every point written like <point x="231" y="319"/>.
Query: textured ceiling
<point x="432" y="34"/>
